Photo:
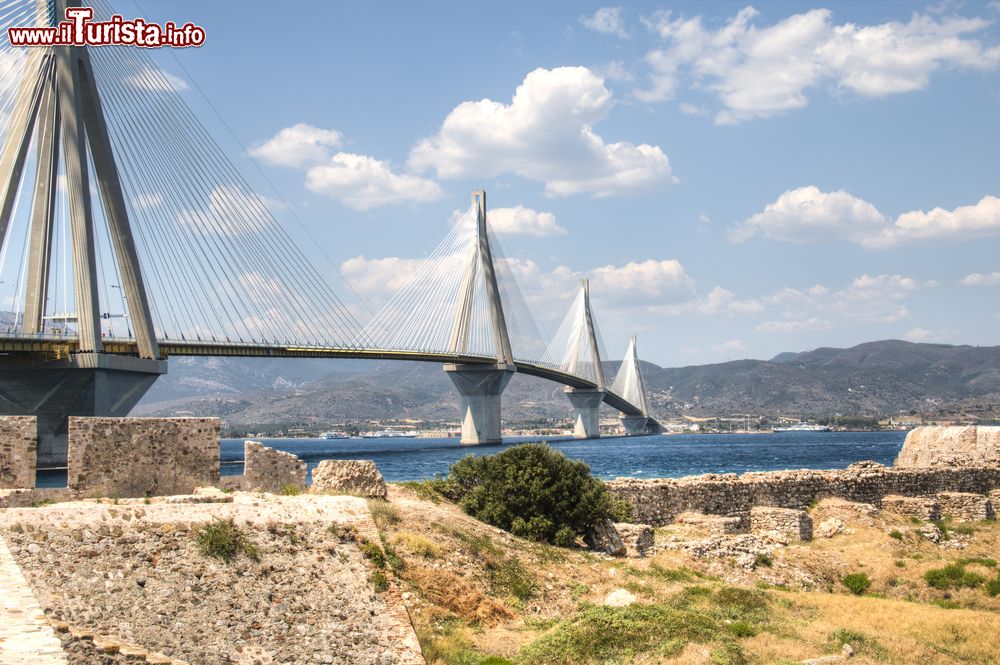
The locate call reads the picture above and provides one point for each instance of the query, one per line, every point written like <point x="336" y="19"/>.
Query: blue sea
<point x="639" y="457"/>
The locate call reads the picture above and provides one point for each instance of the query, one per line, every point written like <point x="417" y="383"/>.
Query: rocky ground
<point x="476" y="593"/>
<point x="298" y="590"/>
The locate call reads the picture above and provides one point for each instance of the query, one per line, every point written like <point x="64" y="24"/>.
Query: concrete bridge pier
<point x="480" y="387"/>
<point x="88" y="384"/>
<point x="634" y="425"/>
<point x="586" y="411"/>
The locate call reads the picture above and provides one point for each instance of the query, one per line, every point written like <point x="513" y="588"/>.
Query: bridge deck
<point x="56" y="348"/>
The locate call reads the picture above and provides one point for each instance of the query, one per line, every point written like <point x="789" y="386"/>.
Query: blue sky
<point x="736" y="181"/>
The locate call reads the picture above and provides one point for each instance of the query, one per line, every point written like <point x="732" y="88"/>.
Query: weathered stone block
<point x="965" y="507"/>
<point x="18" y="446"/>
<point x="270" y="470"/>
<point x="604" y="537"/>
<point x="921" y="507"/>
<point x="950" y="447"/>
<point x="637" y="538"/>
<point x="714" y="525"/>
<point x="130" y="457"/>
<point x="358" y="477"/>
<point x="786" y="522"/>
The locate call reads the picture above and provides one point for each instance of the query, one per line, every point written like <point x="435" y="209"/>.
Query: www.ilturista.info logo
<point x="79" y="30"/>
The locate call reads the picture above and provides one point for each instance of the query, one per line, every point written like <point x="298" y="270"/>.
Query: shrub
<point x="856" y="583"/>
<point x="763" y="560"/>
<point x="373" y="553"/>
<point x="896" y="533"/>
<point x="290" y="490"/>
<point x="861" y="643"/>
<point x="222" y="539"/>
<point x="953" y="576"/>
<point x="533" y="492"/>
<point x="379" y="581"/>
<point x="993" y="587"/>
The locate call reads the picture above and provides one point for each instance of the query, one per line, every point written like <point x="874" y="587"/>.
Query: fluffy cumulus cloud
<point x="980" y="279"/>
<point x="153" y="79"/>
<point x="867" y="299"/>
<point x="808" y="214"/>
<point x="545" y="134"/>
<point x="606" y="20"/>
<point x="358" y="181"/>
<point x="724" y="301"/>
<point x="524" y="221"/>
<point x="299" y="145"/>
<point x="649" y="281"/>
<point x="373" y="276"/>
<point x="758" y="71"/>
<point x="363" y="182"/>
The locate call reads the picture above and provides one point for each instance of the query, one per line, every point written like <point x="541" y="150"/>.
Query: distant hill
<point x="887" y="377"/>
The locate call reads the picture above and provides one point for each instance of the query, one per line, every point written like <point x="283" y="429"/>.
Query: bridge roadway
<point x="54" y="348"/>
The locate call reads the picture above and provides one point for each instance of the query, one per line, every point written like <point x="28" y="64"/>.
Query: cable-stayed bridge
<point x="127" y="236"/>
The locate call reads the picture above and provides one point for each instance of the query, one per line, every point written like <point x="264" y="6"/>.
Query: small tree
<point x="534" y="492"/>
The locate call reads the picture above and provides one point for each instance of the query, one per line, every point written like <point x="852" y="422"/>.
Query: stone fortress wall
<point x="955" y="469"/>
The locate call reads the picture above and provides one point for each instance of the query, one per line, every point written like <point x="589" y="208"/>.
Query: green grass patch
<point x="290" y="490"/>
<point x="993" y="587"/>
<point x="577" y="589"/>
<point x="763" y="559"/>
<point x="953" y="576"/>
<point x="986" y="562"/>
<point x="856" y="583"/>
<point x="379" y="581"/>
<point x="946" y="604"/>
<point x="896" y="533"/>
<point x="224" y="540"/>
<point x="509" y="576"/>
<point x="373" y="553"/>
<point x="384" y="514"/>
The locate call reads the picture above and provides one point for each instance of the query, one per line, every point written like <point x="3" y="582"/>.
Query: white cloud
<point x="616" y="71"/>
<point x="524" y="221"/>
<point x="150" y="200"/>
<point x="981" y="220"/>
<point x="372" y="276"/>
<point x="545" y="134"/>
<point x="877" y="299"/>
<point x="980" y="279"/>
<point x="152" y="79"/>
<point x="723" y="301"/>
<point x="364" y="182"/>
<point x="650" y="281"/>
<point x="808" y="214"/>
<point x="299" y="145"/>
<point x="732" y="346"/>
<point x="795" y="325"/>
<point x="606" y="20"/>
<point x="231" y="211"/>
<point x="923" y="335"/>
<point x="357" y="181"/>
<point x="760" y="71"/>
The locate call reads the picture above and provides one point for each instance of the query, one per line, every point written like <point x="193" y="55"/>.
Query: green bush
<point x="379" y="581"/>
<point x="993" y="587"/>
<point x="896" y="533"/>
<point x="857" y="583"/>
<point x="953" y="576"/>
<point x="224" y="540"/>
<point x="534" y="492"/>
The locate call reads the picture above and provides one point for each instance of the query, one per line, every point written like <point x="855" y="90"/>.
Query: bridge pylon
<point x="58" y="104"/>
<point x="584" y="349"/>
<point x="480" y="386"/>
<point x="629" y="384"/>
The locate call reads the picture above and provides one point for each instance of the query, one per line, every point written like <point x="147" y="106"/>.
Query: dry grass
<point x="462" y="616"/>
<point x="416" y="544"/>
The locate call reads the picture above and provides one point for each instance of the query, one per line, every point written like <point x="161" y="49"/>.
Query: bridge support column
<point x="480" y="387"/>
<point x="634" y="425"/>
<point x="91" y="384"/>
<point x="586" y="412"/>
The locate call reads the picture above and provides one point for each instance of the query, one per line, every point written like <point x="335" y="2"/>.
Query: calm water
<point x="642" y="457"/>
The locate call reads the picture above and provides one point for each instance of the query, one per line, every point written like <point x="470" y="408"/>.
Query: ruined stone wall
<point x="270" y="470"/>
<point x="950" y="447"/>
<point x="131" y="457"/>
<point x="18" y="445"/>
<point x="659" y="502"/>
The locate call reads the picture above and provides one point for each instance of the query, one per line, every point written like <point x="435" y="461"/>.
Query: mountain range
<point x="889" y="377"/>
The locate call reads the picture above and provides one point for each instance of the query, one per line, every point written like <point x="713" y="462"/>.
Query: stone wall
<point x="965" y="507"/>
<point x="950" y="447"/>
<point x="18" y="445"/>
<point x="269" y="470"/>
<point x="130" y="457"/>
<point x="786" y="523"/>
<point x="661" y="501"/>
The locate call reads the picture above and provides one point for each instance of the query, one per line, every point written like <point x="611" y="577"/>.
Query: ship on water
<point x="388" y="434"/>
<point x="335" y="435"/>
<point x="802" y="426"/>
